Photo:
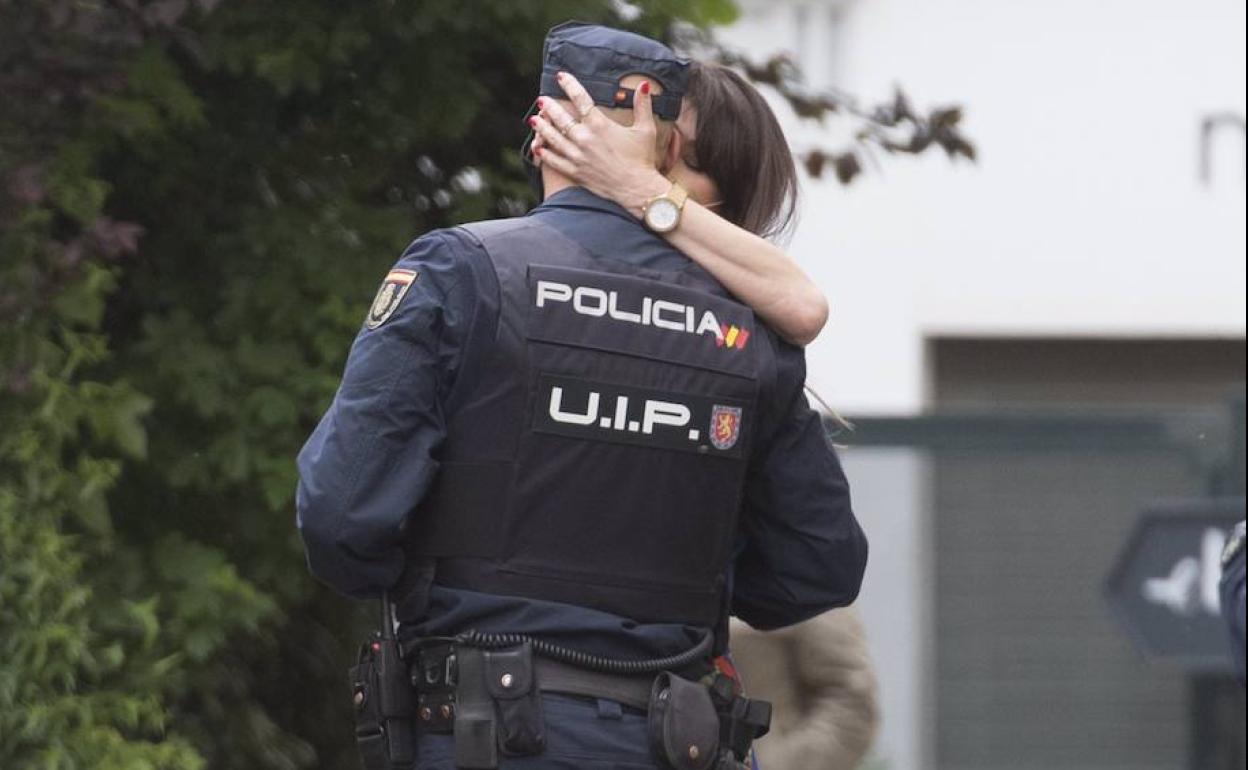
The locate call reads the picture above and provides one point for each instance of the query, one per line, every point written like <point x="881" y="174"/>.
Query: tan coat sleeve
<point x="818" y="676"/>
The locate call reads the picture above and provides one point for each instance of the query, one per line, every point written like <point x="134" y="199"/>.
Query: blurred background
<point x="1036" y="349"/>
<point x="1041" y="351"/>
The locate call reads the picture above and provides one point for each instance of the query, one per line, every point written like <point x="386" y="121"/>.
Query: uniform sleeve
<point x="371" y="458"/>
<point x="802" y="550"/>
<point x="1232" y="595"/>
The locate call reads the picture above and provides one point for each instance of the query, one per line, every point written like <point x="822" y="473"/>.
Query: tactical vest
<point x="596" y="454"/>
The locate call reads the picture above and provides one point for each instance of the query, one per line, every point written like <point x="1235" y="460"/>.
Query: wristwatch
<point x="662" y="212"/>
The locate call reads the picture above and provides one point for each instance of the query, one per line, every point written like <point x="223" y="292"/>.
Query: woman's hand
<point x="610" y="160"/>
<point x="619" y="163"/>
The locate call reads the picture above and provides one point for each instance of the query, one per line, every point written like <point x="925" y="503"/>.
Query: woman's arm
<point x="755" y="270"/>
<point x="618" y="162"/>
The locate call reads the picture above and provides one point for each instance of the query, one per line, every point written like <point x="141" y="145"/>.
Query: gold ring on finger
<point x="568" y="127"/>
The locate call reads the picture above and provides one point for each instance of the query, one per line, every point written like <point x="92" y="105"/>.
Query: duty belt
<point x="486" y="689"/>
<point x="434" y="675"/>
<point x="490" y="700"/>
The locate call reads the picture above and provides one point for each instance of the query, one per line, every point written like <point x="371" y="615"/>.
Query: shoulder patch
<point x="389" y="296"/>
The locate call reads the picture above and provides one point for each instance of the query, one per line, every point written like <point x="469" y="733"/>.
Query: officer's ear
<point x="671" y="147"/>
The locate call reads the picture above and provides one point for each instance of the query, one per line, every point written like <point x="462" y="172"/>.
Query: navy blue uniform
<point x="375" y="454"/>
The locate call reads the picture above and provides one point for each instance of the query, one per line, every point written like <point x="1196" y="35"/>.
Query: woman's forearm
<point x="756" y="271"/>
<point x="759" y="273"/>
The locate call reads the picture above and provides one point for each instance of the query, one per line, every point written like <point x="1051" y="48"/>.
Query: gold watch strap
<point x="679" y="195"/>
<point x="676" y="194"/>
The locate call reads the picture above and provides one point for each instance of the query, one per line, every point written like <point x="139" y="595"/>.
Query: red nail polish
<point x="645" y="86"/>
<point x="533" y="122"/>
<point x="541" y="103"/>
<point x="537" y="152"/>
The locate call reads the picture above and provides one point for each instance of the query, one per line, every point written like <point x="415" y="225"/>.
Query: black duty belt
<point x="436" y="671"/>
<point x="490" y="700"/>
<point x="486" y="689"/>
<point x="553" y="676"/>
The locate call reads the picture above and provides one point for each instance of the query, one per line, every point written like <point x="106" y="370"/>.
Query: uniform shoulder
<point x="453" y="253"/>
<point x="448" y="243"/>
<point x="478" y="233"/>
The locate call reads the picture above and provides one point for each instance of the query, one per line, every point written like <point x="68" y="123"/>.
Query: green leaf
<point x="82" y="301"/>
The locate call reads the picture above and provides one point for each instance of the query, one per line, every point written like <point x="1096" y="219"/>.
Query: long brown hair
<point x="741" y="147"/>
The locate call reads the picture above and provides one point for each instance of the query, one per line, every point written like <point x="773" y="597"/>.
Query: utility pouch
<point x="434" y="676"/>
<point x="510" y="679"/>
<point x="382" y="696"/>
<point x="683" y="725"/>
<point x="476" y="723"/>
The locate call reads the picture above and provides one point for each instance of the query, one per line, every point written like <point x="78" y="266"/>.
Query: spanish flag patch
<point x="389" y="296"/>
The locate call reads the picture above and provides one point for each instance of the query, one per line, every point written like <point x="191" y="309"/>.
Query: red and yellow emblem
<point x="732" y="336"/>
<point x="725" y="426"/>
<point x="389" y="296"/>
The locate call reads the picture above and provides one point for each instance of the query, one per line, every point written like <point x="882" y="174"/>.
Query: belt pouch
<point x="682" y="724"/>
<point x="510" y="679"/>
<point x="434" y="673"/>
<point x="476" y="725"/>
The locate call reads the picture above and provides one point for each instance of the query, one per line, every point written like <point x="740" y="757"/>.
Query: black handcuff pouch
<point x="683" y="724"/>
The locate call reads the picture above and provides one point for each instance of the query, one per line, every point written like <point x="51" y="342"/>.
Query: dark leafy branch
<point x="894" y="127"/>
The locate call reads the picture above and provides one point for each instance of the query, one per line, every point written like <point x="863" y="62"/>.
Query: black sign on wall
<point x="1164" y="585"/>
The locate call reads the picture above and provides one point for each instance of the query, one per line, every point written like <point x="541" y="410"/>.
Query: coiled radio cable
<point x="585" y="660"/>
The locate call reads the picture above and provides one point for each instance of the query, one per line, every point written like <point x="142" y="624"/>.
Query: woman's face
<point x="700" y="186"/>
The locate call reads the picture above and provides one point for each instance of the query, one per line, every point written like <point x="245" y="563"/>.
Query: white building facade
<point x="1108" y="203"/>
<point x="1089" y="213"/>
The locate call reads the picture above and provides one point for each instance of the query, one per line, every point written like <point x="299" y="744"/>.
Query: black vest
<point x="596" y="454"/>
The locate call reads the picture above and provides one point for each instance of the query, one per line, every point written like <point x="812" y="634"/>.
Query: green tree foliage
<point x="196" y="200"/>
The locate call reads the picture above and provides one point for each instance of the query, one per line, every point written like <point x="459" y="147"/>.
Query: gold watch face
<point x="662" y="215"/>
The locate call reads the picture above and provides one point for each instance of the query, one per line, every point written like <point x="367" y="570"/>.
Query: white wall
<point x="1086" y="215"/>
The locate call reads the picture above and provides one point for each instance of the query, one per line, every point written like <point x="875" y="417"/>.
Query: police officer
<point x="1232" y="591"/>
<point x="558" y="428"/>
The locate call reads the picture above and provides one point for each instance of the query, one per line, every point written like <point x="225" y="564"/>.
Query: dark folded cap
<point x="600" y="57"/>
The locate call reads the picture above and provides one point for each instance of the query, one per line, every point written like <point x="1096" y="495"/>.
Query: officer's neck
<point x="553" y="182"/>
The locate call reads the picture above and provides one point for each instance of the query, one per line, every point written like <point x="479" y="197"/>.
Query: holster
<point x="498" y="707"/>
<point x="741" y="720"/>
<point x="381" y="693"/>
